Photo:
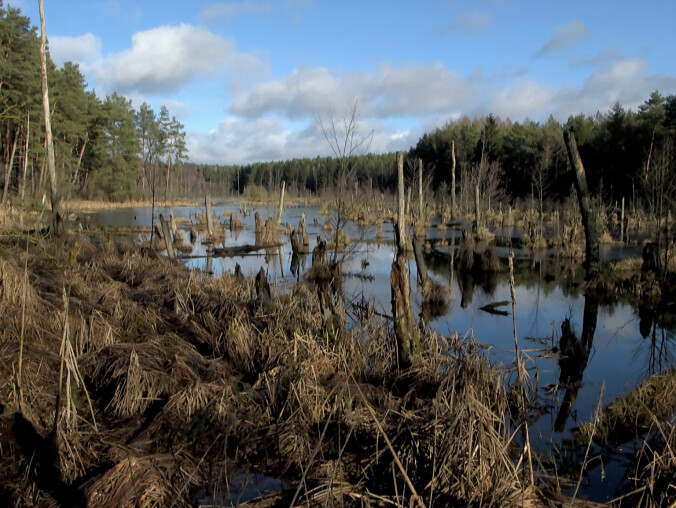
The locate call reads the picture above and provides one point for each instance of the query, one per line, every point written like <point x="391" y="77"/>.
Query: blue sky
<point x="248" y="78"/>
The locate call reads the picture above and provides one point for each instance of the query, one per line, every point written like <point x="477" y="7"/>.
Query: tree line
<point x="104" y="149"/>
<point x="627" y="154"/>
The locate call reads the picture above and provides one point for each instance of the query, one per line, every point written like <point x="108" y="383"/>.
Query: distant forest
<point x="626" y="154"/>
<point x="105" y="149"/>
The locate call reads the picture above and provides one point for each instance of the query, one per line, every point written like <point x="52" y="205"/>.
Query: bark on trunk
<point x="401" y="303"/>
<point x="51" y="165"/>
<point x="166" y="231"/>
<point x="588" y="221"/>
<point x="401" y="313"/>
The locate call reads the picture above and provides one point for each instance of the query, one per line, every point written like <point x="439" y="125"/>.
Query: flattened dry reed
<point x="176" y="362"/>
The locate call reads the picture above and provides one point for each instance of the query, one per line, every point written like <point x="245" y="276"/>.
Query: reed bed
<point x="172" y="383"/>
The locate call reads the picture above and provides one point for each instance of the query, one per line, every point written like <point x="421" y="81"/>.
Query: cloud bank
<point x="264" y="118"/>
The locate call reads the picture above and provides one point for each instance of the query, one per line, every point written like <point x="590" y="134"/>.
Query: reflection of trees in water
<point x="573" y="358"/>
<point x="660" y="357"/>
<point x="657" y="327"/>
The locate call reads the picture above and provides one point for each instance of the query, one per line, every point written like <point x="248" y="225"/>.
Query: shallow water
<point x="619" y="357"/>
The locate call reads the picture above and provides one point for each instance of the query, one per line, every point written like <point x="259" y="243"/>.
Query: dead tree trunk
<point x="453" y="180"/>
<point x="51" y="165"/>
<point x="210" y="220"/>
<point x="420" y="190"/>
<point x="401" y="216"/>
<point x="588" y="221"/>
<point x="401" y="303"/>
<point x="401" y="313"/>
<point x="166" y="231"/>
<point x="172" y="223"/>
<point x="281" y="204"/>
<point x="263" y="293"/>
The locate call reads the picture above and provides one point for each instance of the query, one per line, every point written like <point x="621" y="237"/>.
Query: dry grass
<point x="652" y="477"/>
<point x="630" y="416"/>
<point x="192" y="379"/>
<point x="77" y="205"/>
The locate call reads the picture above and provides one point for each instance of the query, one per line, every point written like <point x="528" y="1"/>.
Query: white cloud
<point x="385" y="93"/>
<point x="82" y="49"/>
<point x="247" y="69"/>
<point x="275" y="120"/>
<point x="243" y="140"/>
<point x="624" y="81"/>
<point x="163" y="59"/>
<point x="564" y="37"/>
<point x="521" y="99"/>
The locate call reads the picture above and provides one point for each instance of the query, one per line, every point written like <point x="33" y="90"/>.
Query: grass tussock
<point x="628" y="417"/>
<point x="653" y="469"/>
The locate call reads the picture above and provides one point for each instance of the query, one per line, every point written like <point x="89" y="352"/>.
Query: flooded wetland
<point x="569" y="378"/>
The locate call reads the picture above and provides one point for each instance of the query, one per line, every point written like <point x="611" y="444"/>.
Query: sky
<point x="249" y="79"/>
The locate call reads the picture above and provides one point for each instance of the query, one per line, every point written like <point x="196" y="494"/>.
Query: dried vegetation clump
<point x="170" y="383"/>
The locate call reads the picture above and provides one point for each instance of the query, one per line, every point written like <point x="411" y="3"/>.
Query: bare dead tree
<point x="347" y="143"/>
<point x="588" y="221"/>
<point x="484" y="179"/>
<point x="51" y="165"/>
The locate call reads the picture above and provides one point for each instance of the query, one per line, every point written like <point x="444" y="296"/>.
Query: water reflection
<point x="546" y="291"/>
<point x="573" y="358"/>
<point x="298" y="264"/>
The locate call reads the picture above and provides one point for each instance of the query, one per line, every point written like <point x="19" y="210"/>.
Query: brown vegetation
<point x="192" y="379"/>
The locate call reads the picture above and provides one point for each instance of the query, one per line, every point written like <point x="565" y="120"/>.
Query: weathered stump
<point x="263" y="293"/>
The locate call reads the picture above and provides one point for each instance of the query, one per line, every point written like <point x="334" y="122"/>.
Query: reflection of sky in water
<point x="619" y="355"/>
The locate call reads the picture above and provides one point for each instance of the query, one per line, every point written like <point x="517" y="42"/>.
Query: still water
<point x="618" y="356"/>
